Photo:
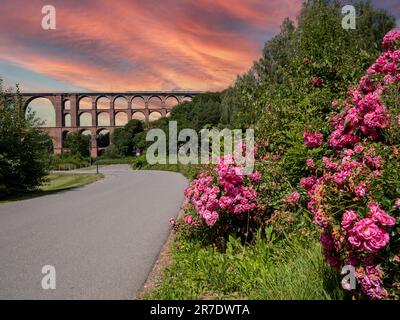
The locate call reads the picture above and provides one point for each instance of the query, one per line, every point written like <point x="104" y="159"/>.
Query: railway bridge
<point x="95" y="113"/>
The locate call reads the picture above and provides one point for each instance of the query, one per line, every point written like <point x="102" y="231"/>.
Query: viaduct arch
<point x="94" y="112"/>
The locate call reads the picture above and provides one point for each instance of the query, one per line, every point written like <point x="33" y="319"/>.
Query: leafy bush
<point x="204" y="110"/>
<point x="139" y="162"/>
<point x="123" y="139"/>
<point x="77" y="145"/>
<point x="25" y="151"/>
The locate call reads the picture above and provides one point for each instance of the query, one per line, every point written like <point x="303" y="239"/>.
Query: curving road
<point x="102" y="238"/>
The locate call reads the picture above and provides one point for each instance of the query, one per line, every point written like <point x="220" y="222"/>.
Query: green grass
<point x="55" y="183"/>
<point x="109" y="161"/>
<point x="268" y="269"/>
<point x="190" y="171"/>
<point x="67" y="166"/>
<point x="70" y="163"/>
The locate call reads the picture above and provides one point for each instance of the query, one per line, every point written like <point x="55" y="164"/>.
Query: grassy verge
<point x="268" y="269"/>
<point x="110" y="161"/>
<point x="67" y="164"/>
<point x="55" y="183"/>
<point x="189" y="171"/>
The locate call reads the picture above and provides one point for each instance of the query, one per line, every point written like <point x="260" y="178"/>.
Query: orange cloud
<point x="141" y="45"/>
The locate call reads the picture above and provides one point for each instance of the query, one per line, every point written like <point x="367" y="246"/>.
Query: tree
<point x="123" y="139"/>
<point x="25" y="151"/>
<point x="204" y="110"/>
<point x="317" y="47"/>
<point x="77" y="144"/>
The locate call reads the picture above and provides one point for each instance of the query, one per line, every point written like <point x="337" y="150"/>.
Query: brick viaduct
<point x="92" y="113"/>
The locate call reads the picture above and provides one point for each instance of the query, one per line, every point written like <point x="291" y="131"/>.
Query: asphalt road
<point x="102" y="239"/>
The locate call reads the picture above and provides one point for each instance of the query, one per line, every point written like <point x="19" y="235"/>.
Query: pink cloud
<point x="137" y="45"/>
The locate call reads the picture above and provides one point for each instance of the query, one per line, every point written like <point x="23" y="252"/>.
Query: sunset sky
<point x="128" y="45"/>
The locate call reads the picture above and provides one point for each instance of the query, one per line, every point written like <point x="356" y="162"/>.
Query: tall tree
<point x="25" y="151"/>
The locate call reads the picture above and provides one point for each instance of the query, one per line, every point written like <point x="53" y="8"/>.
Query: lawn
<point x="56" y="182"/>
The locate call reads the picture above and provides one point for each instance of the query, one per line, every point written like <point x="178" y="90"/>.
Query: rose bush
<point x="354" y="185"/>
<point x="222" y="201"/>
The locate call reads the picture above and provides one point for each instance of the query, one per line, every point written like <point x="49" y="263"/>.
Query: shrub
<point x="77" y="144"/>
<point x="124" y="139"/>
<point x="139" y="162"/>
<point x="354" y="188"/>
<point x="222" y="201"/>
<point x="25" y="151"/>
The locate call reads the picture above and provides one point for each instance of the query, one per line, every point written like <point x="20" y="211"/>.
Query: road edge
<point x="164" y="259"/>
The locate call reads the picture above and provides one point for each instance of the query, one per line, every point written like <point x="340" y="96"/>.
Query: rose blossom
<point x="326" y="241"/>
<point x="210" y="217"/>
<point x="397" y="203"/>
<point x="358" y="148"/>
<point x="308" y="183"/>
<point x="317" y="82"/>
<point x="349" y="216"/>
<point x="380" y="216"/>
<point x="390" y="39"/>
<point x="310" y="163"/>
<point x="361" y="190"/>
<point x="292" y="199"/>
<point x="313" y="140"/>
<point x="368" y="236"/>
<point x="255" y="176"/>
<point x="370" y="279"/>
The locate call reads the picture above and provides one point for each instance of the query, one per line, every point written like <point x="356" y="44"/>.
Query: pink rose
<point x="397" y="203"/>
<point x="210" y="217"/>
<point x="358" y="148"/>
<point x="327" y="241"/>
<point x="367" y="235"/>
<point x="310" y="163"/>
<point x="390" y="39"/>
<point x="317" y="82"/>
<point x="349" y="216"/>
<point x="361" y="190"/>
<point x="380" y="216"/>
<point x="292" y="199"/>
<point x="313" y="140"/>
<point x="188" y="219"/>
<point x="255" y="176"/>
<point x="366" y="229"/>
<point x="378" y="242"/>
<point x="329" y="164"/>
<point x="308" y="183"/>
<point x="355" y="241"/>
